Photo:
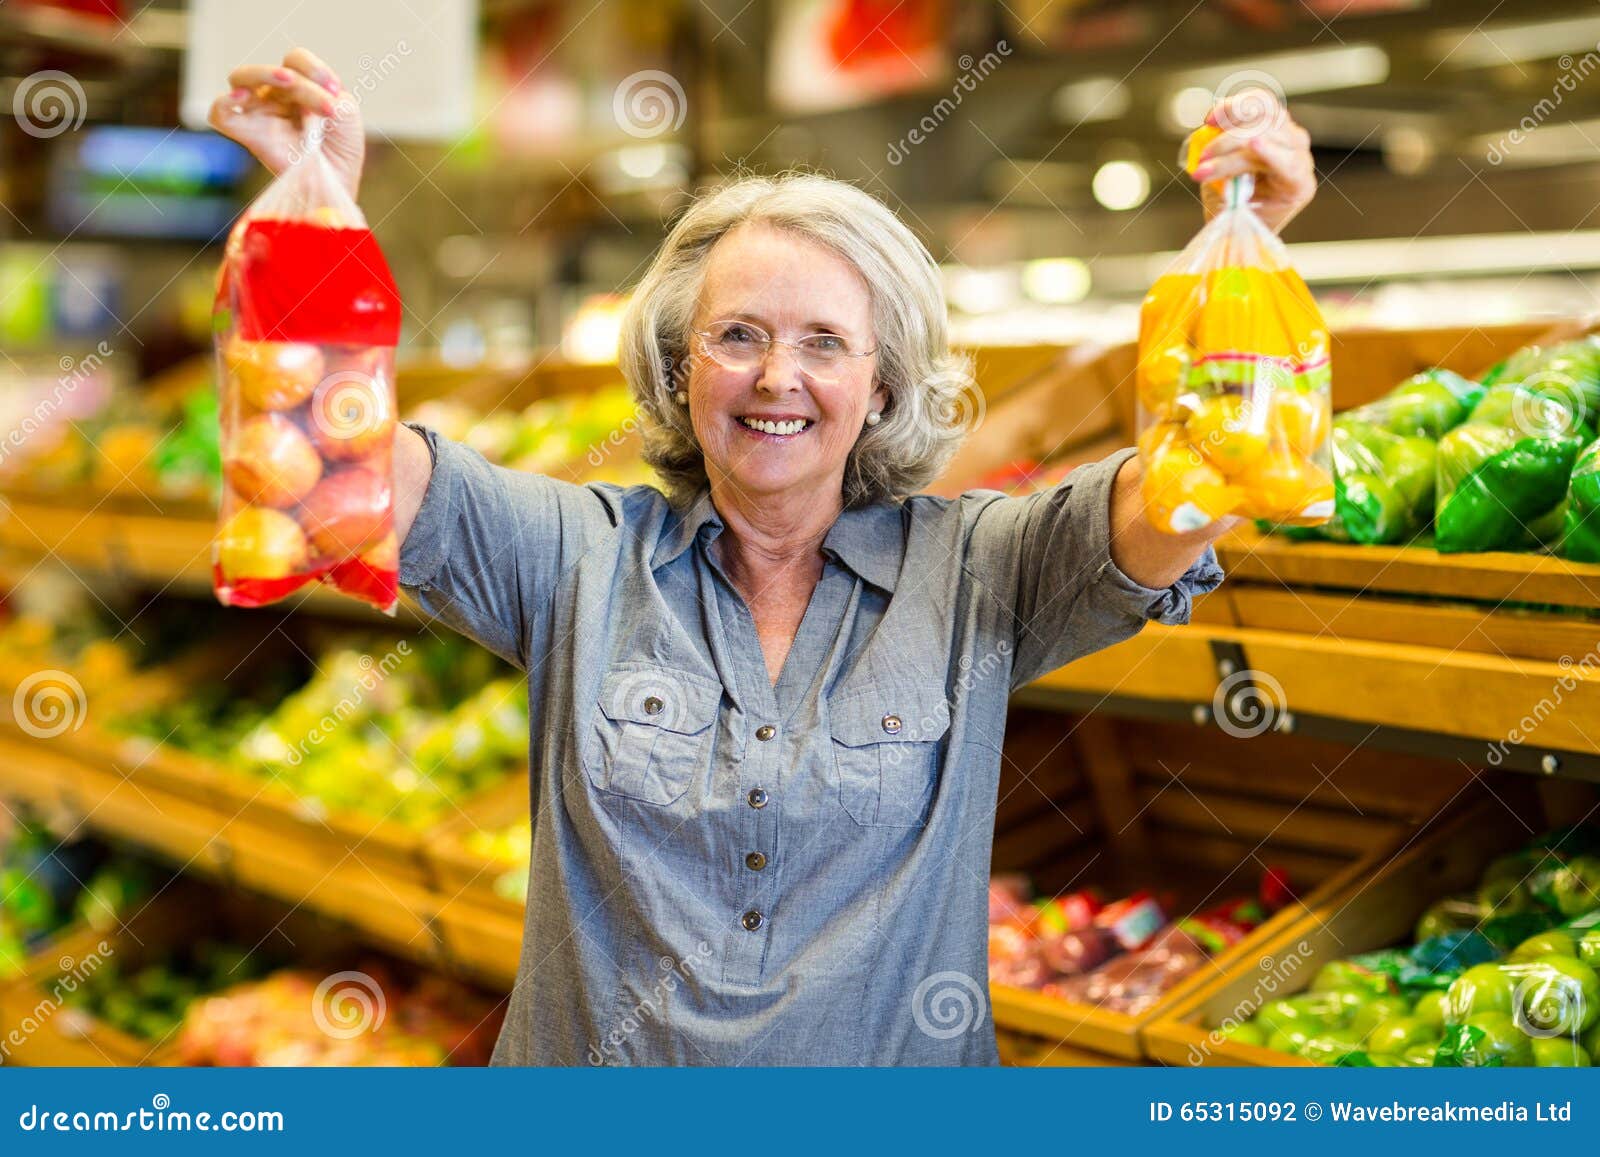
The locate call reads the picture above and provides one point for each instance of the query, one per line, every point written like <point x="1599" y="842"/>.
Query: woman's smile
<point x="775" y="428"/>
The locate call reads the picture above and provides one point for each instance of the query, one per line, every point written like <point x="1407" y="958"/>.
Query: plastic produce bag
<point x="1580" y="539"/>
<point x="1502" y="476"/>
<point x="1233" y="379"/>
<point x="306" y="319"/>
<point x="1385" y="457"/>
<point x="1568" y="372"/>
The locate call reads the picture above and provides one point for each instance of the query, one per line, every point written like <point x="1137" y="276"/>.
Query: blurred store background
<point x="1301" y="774"/>
<point x="1033" y="145"/>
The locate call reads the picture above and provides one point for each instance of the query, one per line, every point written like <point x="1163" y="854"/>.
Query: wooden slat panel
<point x="1046" y="837"/>
<point x="1523" y="634"/>
<point x="1493" y="577"/>
<point x="1158" y="663"/>
<point x="1255" y="821"/>
<point x="1476" y="696"/>
<point x="1209" y="861"/>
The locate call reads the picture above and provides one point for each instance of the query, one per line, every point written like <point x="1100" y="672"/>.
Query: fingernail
<point x="331" y="83"/>
<point x="1202" y="172"/>
<point x="239" y="94"/>
<point x="327" y="108"/>
<point x="281" y="75"/>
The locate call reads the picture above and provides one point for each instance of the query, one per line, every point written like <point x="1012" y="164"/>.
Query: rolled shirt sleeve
<point x="1049" y="557"/>
<point x="489" y="544"/>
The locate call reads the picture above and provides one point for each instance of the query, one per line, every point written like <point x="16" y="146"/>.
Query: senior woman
<point x="768" y="705"/>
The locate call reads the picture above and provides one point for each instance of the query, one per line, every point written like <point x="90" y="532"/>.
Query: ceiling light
<point x="1120" y="185"/>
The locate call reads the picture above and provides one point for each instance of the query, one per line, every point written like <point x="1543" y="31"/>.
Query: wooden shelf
<point x="1420" y="571"/>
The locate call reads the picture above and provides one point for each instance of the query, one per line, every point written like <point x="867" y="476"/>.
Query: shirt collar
<point x="869" y="541"/>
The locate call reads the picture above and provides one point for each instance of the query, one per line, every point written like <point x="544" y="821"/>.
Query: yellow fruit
<point x="1182" y="491"/>
<point x="1198" y="141"/>
<point x="260" y="543"/>
<point x="1282" y="487"/>
<point x="1230" y="432"/>
<point x="1302" y="419"/>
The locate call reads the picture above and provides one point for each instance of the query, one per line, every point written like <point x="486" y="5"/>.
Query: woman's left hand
<point x="1259" y="136"/>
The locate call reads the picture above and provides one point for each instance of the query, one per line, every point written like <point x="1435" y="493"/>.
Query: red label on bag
<point x="299" y="282"/>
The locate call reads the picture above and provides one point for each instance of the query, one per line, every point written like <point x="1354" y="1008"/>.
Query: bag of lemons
<point x="1233" y="378"/>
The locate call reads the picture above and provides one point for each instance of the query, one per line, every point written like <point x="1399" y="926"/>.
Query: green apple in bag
<point x="1581" y="534"/>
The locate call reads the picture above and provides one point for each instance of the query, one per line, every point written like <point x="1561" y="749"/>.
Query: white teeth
<point x="793" y="426"/>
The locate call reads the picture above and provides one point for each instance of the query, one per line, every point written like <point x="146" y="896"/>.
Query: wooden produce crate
<point x="1197" y="814"/>
<point x="482" y="928"/>
<point x="37" y="1028"/>
<point x="1377" y="910"/>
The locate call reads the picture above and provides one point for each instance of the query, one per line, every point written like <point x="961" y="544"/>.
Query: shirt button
<point x="765" y="732"/>
<point x="755" y="861"/>
<point x="758" y="797"/>
<point x="752" y="920"/>
<point x="891" y="724"/>
<point x="653" y="706"/>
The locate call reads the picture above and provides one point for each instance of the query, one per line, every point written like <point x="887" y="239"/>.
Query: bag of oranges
<point x="1233" y="378"/>
<point x="306" y="318"/>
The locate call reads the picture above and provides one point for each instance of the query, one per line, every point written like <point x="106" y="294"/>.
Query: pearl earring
<point x="873" y="417"/>
<point x="681" y="397"/>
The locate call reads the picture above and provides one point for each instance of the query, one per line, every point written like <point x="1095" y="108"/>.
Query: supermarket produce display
<point x="47" y="883"/>
<point x="1120" y="957"/>
<point x="1502" y="976"/>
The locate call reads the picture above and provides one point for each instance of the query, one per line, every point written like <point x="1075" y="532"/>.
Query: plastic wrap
<point x="1568" y="372"/>
<point x="1580" y="538"/>
<point x="1385" y="458"/>
<point x="1233" y="380"/>
<point x="1502" y="477"/>
<point x="307" y="317"/>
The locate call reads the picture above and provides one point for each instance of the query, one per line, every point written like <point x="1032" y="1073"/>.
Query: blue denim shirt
<point x="727" y="871"/>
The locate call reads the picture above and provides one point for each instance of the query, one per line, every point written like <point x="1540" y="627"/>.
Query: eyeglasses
<point x="739" y="345"/>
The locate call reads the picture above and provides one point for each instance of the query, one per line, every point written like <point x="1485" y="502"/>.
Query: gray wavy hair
<point x="930" y="389"/>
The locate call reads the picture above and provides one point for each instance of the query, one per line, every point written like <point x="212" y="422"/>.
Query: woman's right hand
<point x="265" y="109"/>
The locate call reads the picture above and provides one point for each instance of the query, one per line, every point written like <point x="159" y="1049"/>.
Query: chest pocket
<point x="886" y="745"/>
<point x="653" y="732"/>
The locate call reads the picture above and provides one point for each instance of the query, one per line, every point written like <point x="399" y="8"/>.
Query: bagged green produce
<point x="1384" y="459"/>
<point x="1504" y="470"/>
<point x="1580" y="538"/>
<point x="1568" y="372"/>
